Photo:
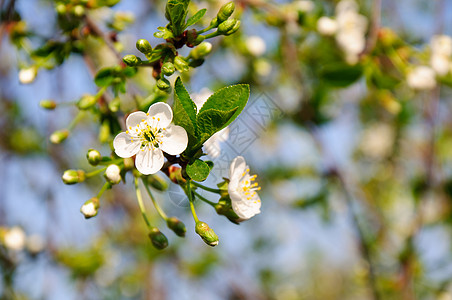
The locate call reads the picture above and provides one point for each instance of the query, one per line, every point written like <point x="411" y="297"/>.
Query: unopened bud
<point x="180" y="64"/>
<point x="168" y="69"/>
<point x="86" y="102"/>
<point x="191" y="37"/>
<point x="158" y="239"/>
<point x="163" y="84"/>
<point x="129" y="163"/>
<point x="225" y="11"/>
<point x="144" y="46"/>
<point x="15" y="239"/>
<point x="113" y="174"/>
<point x="206" y="233"/>
<point x="157" y="182"/>
<point x="114" y="104"/>
<point x="78" y="11"/>
<point x="227" y="26"/>
<point x="175" y="174"/>
<point x="234" y="29"/>
<point x="131" y="60"/>
<point x="224" y="208"/>
<point x="93" y="157"/>
<point x="48" y="104"/>
<point x="73" y="176"/>
<point x="177" y="226"/>
<point x="214" y="23"/>
<point x="104" y="132"/>
<point x="59" y="136"/>
<point x="201" y="51"/>
<point x="90" y="208"/>
<point x="27" y="75"/>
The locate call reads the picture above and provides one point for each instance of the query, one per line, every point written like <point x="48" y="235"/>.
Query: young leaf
<point x="163" y="33"/>
<point x="196" y="17"/>
<point x="341" y="74"/>
<point x="227" y="99"/>
<point x="212" y="120"/>
<point x="175" y="13"/>
<point x="104" y="77"/>
<point x="198" y="170"/>
<point x="184" y="109"/>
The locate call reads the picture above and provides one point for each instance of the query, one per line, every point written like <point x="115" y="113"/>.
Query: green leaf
<point x="211" y="121"/>
<point x="175" y="13"/>
<point x="129" y="71"/>
<point x="196" y="17"/>
<point x="340" y="74"/>
<point x="163" y="33"/>
<point x="227" y="99"/>
<point x="198" y="170"/>
<point x="184" y="110"/>
<point x="105" y="77"/>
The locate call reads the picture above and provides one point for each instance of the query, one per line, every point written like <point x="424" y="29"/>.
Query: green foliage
<point x="175" y="13"/>
<point x="114" y="77"/>
<point x="198" y="170"/>
<point x="196" y="17"/>
<point x="340" y="74"/>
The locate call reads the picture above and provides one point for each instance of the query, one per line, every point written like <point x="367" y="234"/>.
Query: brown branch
<point x="98" y="32"/>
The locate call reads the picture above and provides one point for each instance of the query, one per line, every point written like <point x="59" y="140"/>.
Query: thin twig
<point x="374" y="28"/>
<point x="97" y="31"/>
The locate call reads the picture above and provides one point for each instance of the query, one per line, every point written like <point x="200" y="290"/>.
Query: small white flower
<point x="421" y="78"/>
<point x="113" y="174"/>
<point x="327" y="26"/>
<point x="27" y="75"/>
<point x="89" y="209"/>
<point x="441" y="44"/>
<point x="242" y="191"/>
<point x="255" y="45"/>
<point x="345" y="6"/>
<point x="148" y="136"/>
<point x="15" y="239"/>
<point x="440" y="64"/>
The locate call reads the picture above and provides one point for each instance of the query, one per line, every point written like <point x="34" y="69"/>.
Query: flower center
<point x="247" y="187"/>
<point x="148" y="134"/>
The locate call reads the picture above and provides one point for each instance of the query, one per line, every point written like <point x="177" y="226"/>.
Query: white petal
<point x="135" y="118"/>
<point x="246" y="209"/>
<point x="124" y="147"/>
<point x="237" y="168"/>
<point x="149" y="161"/>
<point x="162" y="111"/>
<point x="175" y="140"/>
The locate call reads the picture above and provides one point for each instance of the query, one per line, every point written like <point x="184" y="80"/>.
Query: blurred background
<point x="351" y="142"/>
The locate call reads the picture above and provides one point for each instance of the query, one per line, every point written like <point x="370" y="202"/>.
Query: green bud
<point x="163" y="84"/>
<point x="86" y="102"/>
<point x="48" y="104"/>
<point x="206" y="233"/>
<point x="225" y="11"/>
<point x="158" y="239"/>
<point x="227" y="26"/>
<point x="73" y="176"/>
<point x="93" y="157"/>
<point x="78" y="10"/>
<point x="224" y="208"/>
<point x="168" y="69"/>
<point x="199" y="40"/>
<point x="180" y="64"/>
<point x="234" y="29"/>
<point x="59" y="136"/>
<point x="157" y="182"/>
<point x="114" y="104"/>
<point x="90" y="208"/>
<point x="201" y="51"/>
<point x="144" y="46"/>
<point x="177" y="226"/>
<point x="61" y="8"/>
<point x="104" y="132"/>
<point x="131" y="60"/>
<point x="214" y="23"/>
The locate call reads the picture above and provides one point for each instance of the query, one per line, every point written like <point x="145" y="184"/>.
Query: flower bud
<point x="234" y="29"/>
<point x="177" y="226"/>
<point x="144" y="46"/>
<point x="104" y="132"/>
<point x="214" y="23"/>
<point x="59" y="136"/>
<point x="163" y="84"/>
<point x="175" y="174"/>
<point x="131" y="60"/>
<point x="129" y="163"/>
<point x="191" y="37"/>
<point x="225" y="11"/>
<point x="157" y="182"/>
<point x="168" y="69"/>
<point x="86" y="102"/>
<point x="78" y="11"/>
<point x="90" y="208"/>
<point x="180" y="64"/>
<point x="73" y="176"/>
<point x="114" y="104"/>
<point x="201" y="51"/>
<point x="158" y="239"/>
<point x="48" y="104"/>
<point x="27" y="75"/>
<point x="15" y="239"/>
<point x="93" y="157"/>
<point x="224" y="208"/>
<point x="113" y="174"/>
<point x="206" y="233"/>
<point x="227" y="26"/>
<point x="61" y="8"/>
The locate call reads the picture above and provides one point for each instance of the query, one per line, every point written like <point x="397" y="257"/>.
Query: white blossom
<point x="113" y="174"/>
<point x="27" y="75"/>
<point x="89" y="209"/>
<point x="440" y="64"/>
<point x="243" y="192"/>
<point x="15" y="238"/>
<point x="255" y="45"/>
<point x="421" y="78"/>
<point x="327" y="26"/>
<point x="441" y="44"/>
<point x="148" y="135"/>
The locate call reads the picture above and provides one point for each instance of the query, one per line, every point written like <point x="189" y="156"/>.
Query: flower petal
<point x="124" y="146"/>
<point x="246" y="209"/>
<point x="162" y="111"/>
<point x="174" y="140"/>
<point x="149" y="161"/>
<point x="135" y="118"/>
<point x="237" y="168"/>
